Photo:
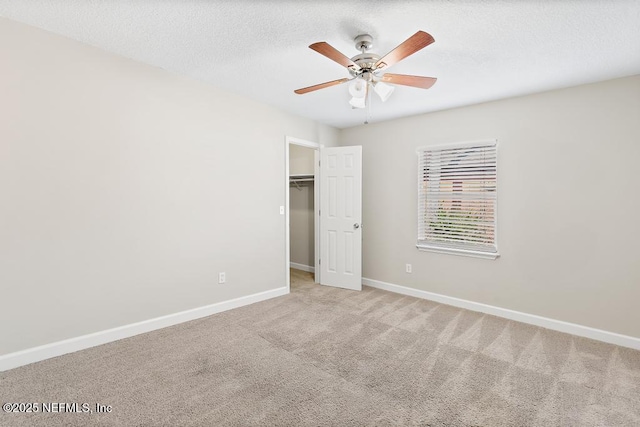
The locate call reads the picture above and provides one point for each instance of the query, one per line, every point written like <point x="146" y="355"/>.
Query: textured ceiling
<point x="484" y="50"/>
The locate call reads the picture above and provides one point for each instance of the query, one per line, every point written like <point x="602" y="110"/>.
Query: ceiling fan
<point x="367" y="68"/>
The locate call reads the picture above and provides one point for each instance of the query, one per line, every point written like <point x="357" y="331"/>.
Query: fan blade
<point x="406" y="80"/>
<point x="330" y="52"/>
<point x="320" y="86"/>
<point x="410" y="46"/>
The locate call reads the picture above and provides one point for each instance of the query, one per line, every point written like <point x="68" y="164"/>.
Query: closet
<point x="301" y="205"/>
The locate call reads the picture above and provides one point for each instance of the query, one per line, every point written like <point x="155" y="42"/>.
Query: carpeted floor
<point x="330" y="357"/>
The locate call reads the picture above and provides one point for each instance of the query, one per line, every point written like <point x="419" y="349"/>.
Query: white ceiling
<point x="484" y="50"/>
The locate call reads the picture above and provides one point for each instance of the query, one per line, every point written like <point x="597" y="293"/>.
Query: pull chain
<point x="367" y="116"/>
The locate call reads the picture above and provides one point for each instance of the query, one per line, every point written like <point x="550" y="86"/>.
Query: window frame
<point x="434" y="247"/>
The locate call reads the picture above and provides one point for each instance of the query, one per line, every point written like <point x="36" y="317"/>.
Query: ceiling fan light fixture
<point x="357" y="102"/>
<point x="358" y="88"/>
<point x="383" y="90"/>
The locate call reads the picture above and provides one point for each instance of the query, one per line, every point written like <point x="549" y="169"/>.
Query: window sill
<point x="461" y="252"/>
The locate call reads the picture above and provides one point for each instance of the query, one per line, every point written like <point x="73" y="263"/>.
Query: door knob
<point x="356" y="225"/>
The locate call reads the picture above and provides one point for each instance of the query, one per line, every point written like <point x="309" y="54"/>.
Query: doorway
<point x="337" y="193"/>
<point x="301" y="210"/>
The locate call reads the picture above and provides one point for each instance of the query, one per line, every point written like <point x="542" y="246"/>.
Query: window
<point x="457" y="200"/>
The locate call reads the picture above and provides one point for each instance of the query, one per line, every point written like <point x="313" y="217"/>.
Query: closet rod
<point x="296" y="179"/>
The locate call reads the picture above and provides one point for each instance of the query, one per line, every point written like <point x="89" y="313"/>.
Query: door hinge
<point x="319" y="261"/>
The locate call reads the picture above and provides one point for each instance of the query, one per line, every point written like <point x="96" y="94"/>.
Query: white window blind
<point x="457" y="200"/>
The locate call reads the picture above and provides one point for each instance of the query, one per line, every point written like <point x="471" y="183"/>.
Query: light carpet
<point x="330" y="357"/>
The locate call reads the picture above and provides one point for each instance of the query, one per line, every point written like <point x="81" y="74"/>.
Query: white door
<point x="341" y="217"/>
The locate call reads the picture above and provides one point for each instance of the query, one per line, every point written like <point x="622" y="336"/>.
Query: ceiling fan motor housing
<point x="365" y="60"/>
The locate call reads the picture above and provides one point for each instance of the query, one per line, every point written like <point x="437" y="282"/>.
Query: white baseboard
<point x="36" y="354"/>
<point x="302" y="267"/>
<point x="532" y="319"/>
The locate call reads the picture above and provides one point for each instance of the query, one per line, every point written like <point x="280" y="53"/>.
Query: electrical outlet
<point x="407" y="268"/>
<point x="222" y="277"/>
<point x="281" y="210"/>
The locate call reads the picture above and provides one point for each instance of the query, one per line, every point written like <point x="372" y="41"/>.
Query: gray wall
<point x="125" y="189"/>
<point x="300" y="160"/>
<point x="568" y="203"/>
<point x="301" y="223"/>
